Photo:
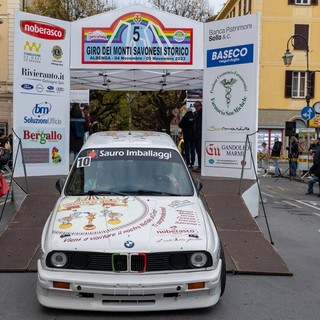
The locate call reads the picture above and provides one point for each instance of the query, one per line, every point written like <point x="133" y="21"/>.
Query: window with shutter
<point x="288" y="84"/>
<point x="296" y="84"/>
<point x="303" y="2"/>
<point x="303" y="31"/>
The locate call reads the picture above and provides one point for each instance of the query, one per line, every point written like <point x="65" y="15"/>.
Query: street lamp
<point x="288" y="56"/>
<point x="287" y="59"/>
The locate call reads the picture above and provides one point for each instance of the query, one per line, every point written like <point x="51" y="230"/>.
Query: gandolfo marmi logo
<point x="228" y="94"/>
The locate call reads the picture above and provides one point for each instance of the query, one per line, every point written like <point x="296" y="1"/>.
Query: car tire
<point x="223" y="277"/>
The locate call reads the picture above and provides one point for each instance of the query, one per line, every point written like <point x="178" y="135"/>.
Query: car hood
<point x="119" y="224"/>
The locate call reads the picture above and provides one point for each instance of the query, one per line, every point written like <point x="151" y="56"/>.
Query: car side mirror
<point x="60" y="184"/>
<point x="198" y="184"/>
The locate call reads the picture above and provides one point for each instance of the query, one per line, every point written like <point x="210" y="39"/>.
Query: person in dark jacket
<point x="198" y="133"/>
<point x="77" y="130"/>
<point x="275" y="155"/>
<point x="314" y="172"/>
<point x="293" y="149"/>
<point x="187" y="126"/>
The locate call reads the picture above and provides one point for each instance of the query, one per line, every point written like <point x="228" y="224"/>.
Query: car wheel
<point x="223" y="277"/>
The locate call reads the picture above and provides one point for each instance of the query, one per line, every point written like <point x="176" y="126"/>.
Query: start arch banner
<point x="138" y="44"/>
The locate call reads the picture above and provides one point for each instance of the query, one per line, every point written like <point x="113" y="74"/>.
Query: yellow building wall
<point x="7" y="9"/>
<point x="3" y="42"/>
<point x="277" y="26"/>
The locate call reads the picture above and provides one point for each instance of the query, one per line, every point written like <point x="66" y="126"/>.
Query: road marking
<point x="292" y="204"/>
<point x="310" y="205"/>
<point x="268" y="195"/>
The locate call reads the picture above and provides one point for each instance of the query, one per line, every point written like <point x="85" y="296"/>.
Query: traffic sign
<point x="308" y="113"/>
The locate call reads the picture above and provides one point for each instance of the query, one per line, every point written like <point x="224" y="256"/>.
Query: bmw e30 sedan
<point x="129" y="231"/>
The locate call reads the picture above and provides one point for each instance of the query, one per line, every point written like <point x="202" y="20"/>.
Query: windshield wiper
<point x="153" y="192"/>
<point x="104" y="192"/>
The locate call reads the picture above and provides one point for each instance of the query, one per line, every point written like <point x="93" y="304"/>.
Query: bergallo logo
<point x="234" y="87"/>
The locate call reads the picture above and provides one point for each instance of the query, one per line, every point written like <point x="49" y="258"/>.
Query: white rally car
<point x="129" y="231"/>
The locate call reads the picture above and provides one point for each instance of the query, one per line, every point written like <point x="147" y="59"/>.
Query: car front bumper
<point x="128" y="292"/>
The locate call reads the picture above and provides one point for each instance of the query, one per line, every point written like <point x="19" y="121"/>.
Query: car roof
<point x="132" y="139"/>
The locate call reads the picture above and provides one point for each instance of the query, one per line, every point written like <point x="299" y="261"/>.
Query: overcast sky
<point x="215" y="4"/>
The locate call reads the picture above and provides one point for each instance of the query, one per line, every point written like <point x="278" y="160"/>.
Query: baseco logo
<point x="42" y="30"/>
<point x="232" y="84"/>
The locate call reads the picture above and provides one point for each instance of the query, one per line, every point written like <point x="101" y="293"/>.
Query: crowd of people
<point x="275" y="153"/>
<point x="191" y="126"/>
<point x="82" y="125"/>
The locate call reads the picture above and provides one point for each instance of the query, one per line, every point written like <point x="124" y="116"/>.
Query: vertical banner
<point x="230" y="96"/>
<point x="41" y="96"/>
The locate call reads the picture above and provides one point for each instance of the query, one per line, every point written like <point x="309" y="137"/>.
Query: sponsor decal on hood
<point x="102" y="223"/>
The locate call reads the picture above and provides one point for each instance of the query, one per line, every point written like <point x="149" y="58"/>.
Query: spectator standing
<point x="86" y="114"/>
<point x="187" y="126"/>
<point x="10" y="163"/>
<point x="293" y="155"/>
<point x="91" y="126"/>
<point x="5" y="151"/>
<point x="264" y="154"/>
<point x="198" y="133"/>
<point x="275" y="154"/>
<point x="314" y="146"/>
<point x="314" y="172"/>
<point x="77" y="130"/>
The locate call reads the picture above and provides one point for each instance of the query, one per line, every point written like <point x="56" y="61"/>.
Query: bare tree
<point x="68" y="10"/>
<point x="198" y="10"/>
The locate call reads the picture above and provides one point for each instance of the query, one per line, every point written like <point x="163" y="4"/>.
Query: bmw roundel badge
<point x="129" y="244"/>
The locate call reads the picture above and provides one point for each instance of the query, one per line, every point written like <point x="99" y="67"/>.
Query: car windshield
<point x="156" y="172"/>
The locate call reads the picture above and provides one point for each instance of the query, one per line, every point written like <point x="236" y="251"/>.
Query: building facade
<point x="283" y="90"/>
<point x="7" y="8"/>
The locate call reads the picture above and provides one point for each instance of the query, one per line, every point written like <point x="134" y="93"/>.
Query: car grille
<point x="128" y="262"/>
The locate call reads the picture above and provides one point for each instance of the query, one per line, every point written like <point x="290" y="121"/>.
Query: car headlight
<point x="198" y="259"/>
<point x="59" y="259"/>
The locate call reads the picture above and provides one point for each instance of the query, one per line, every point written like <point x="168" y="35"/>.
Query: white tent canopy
<point x="136" y="79"/>
<point x="136" y="48"/>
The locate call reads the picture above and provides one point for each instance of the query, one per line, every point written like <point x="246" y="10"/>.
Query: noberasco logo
<point x="42" y="30"/>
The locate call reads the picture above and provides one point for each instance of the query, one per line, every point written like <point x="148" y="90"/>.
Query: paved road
<point x="294" y="225"/>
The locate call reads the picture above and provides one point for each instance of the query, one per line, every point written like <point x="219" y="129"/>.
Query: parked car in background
<point x="129" y="231"/>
